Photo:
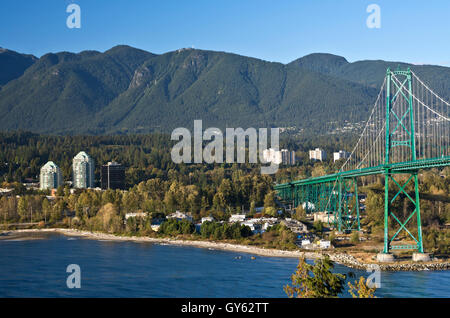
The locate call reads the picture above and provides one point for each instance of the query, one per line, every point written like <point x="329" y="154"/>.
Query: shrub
<point x="355" y="237"/>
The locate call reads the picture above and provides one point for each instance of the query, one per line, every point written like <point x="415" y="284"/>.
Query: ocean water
<point x="37" y="268"/>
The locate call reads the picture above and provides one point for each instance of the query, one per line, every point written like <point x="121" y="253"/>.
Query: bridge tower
<point x="400" y="146"/>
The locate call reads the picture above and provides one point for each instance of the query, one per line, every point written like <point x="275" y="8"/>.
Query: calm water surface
<point x="37" y="268"/>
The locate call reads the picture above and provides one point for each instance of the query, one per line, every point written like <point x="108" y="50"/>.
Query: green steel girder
<point x="350" y="214"/>
<point x="333" y="188"/>
<point x="411" y="168"/>
<point x="404" y="247"/>
<point x="399" y="167"/>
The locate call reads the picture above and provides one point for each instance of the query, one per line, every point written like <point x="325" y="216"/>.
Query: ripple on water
<point x="32" y="268"/>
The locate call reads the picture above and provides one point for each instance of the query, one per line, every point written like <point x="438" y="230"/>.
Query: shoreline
<point x="340" y="258"/>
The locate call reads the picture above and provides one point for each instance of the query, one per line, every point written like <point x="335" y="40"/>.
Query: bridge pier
<point x="385" y="257"/>
<point x="421" y="257"/>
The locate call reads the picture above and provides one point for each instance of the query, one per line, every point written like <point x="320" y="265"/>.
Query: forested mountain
<point x="13" y="64"/>
<point x="372" y="73"/>
<point x="62" y="92"/>
<point x="227" y="90"/>
<point x="127" y="90"/>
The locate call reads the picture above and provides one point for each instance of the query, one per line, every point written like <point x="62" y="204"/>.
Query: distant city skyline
<point x="411" y="31"/>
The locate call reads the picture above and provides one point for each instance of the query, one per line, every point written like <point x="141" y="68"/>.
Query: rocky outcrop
<point x="351" y="261"/>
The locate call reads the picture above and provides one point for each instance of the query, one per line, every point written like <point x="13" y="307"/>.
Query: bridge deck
<point x="399" y="167"/>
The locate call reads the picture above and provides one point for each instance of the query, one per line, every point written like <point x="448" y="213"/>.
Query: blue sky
<point x="411" y="31"/>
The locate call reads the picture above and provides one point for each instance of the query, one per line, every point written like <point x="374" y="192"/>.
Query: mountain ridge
<point x="128" y="90"/>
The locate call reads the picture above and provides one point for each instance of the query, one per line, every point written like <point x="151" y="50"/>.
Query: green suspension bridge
<point x="407" y="130"/>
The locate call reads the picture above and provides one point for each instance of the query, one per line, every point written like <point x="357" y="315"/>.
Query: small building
<point x="254" y="227"/>
<point x="136" y="215"/>
<point x="156" y="223"/>
<point x="260" y="224"/>
<point x="306" y="242"/>
<point x="207" y="219"/>
<point x="324" y="244"/>
<point x="180" y="216"/>
<point x="6" y="191"/>
<point x="294" y="225"/>
<point x="237" y="218"/>
<point x="323" y="217"/>
<point x="155" y="227"/>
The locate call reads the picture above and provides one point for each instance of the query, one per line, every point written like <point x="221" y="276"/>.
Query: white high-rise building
<point x="50" y="176"/>
<point x="288" y="157"/>
<point x="317" y="154"/>
<point x="341" y="154"/>
<point x="279" y="157"/>
<point x="83" y="171"/>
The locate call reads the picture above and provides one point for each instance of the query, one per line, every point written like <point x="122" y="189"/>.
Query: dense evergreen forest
<point x="155" y="184"/>
<point x="22" y="154"/>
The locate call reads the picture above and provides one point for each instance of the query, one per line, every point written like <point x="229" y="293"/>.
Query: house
<point x="236" y="218"/>
<point x="255" y="227"/>
<point x="6" y="191"/>
<point x="155" y="227"/>
<point x="156" y="223"/>
<point x="136" y="215"/>
<point x="294" y="225"/>
<point x="306" y="243"/>
<point x="207" y="219"/>
<point x="260" y="224"/>
<point x="324" y="244"/>
<point x="180" y="216"/>
<point x="323" y="217"/>
<point x="266" y="223"/>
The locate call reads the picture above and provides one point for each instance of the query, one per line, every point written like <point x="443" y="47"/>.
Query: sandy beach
<point x="15" y="234"/>
<point x="341" y="258"/>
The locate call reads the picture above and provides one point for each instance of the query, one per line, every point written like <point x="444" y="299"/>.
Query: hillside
<point x="372" y="73"/>
<point x="13" y="64"/>
<point x="62" y="92"/>
<point x="127" y="90"/>
<point x="227" y="90"/>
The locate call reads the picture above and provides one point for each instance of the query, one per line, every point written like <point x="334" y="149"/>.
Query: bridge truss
<point x="407" y="130"/>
